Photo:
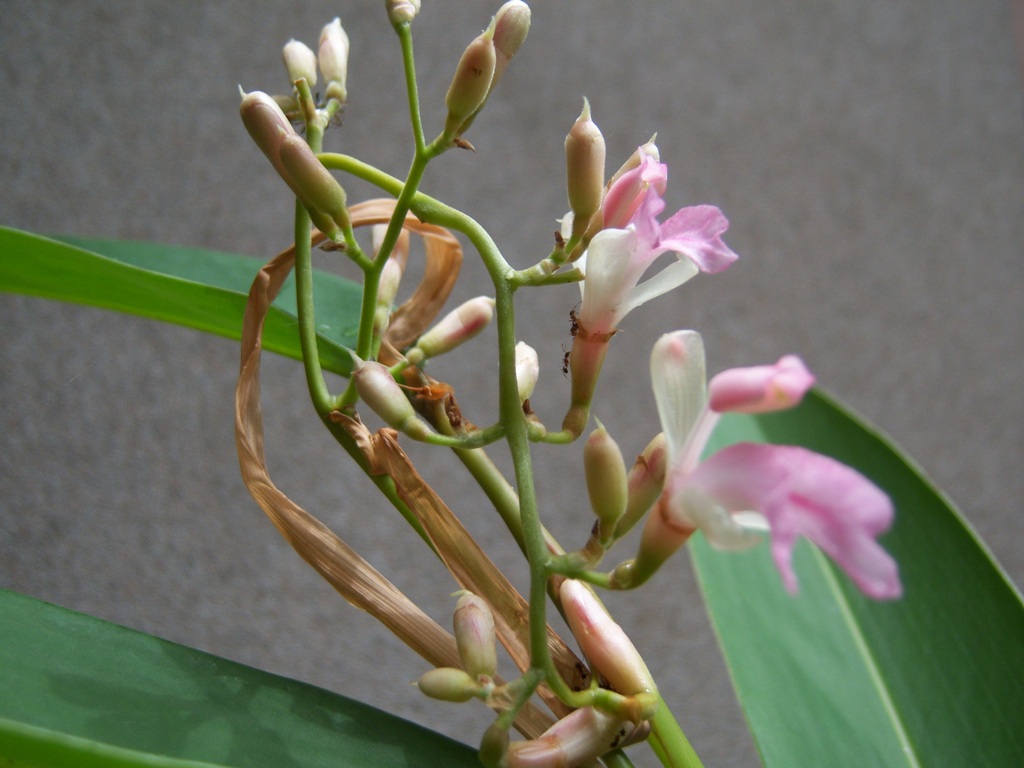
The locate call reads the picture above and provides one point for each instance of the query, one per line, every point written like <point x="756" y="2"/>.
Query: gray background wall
<point x="868" y="154"/>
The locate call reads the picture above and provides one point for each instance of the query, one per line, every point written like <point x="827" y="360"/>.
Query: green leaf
<point x="829" y="677"/>
<point x="200" y="289"/>
<point x="80" y="692"/>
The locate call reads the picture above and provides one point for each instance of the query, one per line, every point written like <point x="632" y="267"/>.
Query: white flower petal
<point x="672" y="276"/>
<point x="608" y="259"/>
<point x="678" y="379"/>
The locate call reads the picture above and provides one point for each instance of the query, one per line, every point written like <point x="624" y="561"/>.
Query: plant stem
<point x="669" y="742"/>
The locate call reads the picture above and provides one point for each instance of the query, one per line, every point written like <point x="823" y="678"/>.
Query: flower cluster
<point x="610" y="242"/>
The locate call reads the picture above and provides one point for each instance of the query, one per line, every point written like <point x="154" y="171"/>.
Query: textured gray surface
<point x="868" y="154"/>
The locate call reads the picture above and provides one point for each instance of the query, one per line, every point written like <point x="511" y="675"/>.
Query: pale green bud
<point x="300" y="61"/>
<point x="333" y="57"/>
<point x="448" y="684"/>
<point x="511" y="24"/>
<point x="400" y="11"/>
<point x="606" y="479"/>
<point x="646" y="479"/>
<point x="584" y="164"/>
<point x="381" y="393"/>
<point x="314" y="185"/>
<point x="267" y="125"/>
<point x="458" y="326"/>
<point x="472" y="81"/>
<point x="474" y="635"/>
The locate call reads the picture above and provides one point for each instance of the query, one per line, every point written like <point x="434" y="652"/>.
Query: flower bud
<point x="580" y="737"/>
<point x="474" y="636"/>
<point x="288" y="104"/>
<point x="609" y="651"/>
<point x="394" y="267"/>
<point x="448" y="684"/>
<point x="606" y="480"/>
<point x="460" y="325"/>
<point x="333" y="57"/>
<point x="471" y="83"/>
<point x="527" y="370"/>
<point x="645" y="481"/>
<point x="379" y="390"/>
<point x="511" y="24"/>
<point x="584" y="162"/>
<point x="400" y="11"/>
<point x="390" y="277"/>
<point x="300" y="61"/>
<point x="314" y="185"/>
<point x="267" y="125"/>
<point x="760" y="388"/>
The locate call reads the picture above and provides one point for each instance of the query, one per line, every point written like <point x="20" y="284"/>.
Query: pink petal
<point x="696" y="232"/>
<point x="625" y="195"/>
<point x="802" y="493"/>
<point x="761" y="388"/>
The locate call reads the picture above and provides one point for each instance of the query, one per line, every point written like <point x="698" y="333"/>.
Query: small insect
<point x="559" y="240"/>
<point x="565" y="362"/>
<point x="574" y="323"/>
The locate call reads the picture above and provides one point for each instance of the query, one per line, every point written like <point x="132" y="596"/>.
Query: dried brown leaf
<point x="351" y="575"/>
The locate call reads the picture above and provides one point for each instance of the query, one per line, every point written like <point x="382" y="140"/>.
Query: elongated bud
<point x="458" y="326"/>
<point x="314" y="185"/>
<point x="527" y="370"/>
<point x="603" y="642"/>
<point x="579" y="737"/>
<point x="474" y="636"/>
<point x="400" y="11"/>
<point x="267" y="125"/>
<point x="760" y="388"/>
<point x="606" y="479"/>
<point x="333" y="57"/>
<point x="300" y="61"/>
<point x="584" y="163"/>
<point x="645" y="481"/>
<point x="448" y="684"/>
<point x="472" y="81"/>
<point x="390" y="276"/>
<point x="379" y="390"/>
<point x="511" y="24"/>
<point x="394" y="267"/>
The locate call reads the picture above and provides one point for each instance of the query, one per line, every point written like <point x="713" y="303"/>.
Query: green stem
<point x="405" y="40"/>
<point x="669" y="742"/>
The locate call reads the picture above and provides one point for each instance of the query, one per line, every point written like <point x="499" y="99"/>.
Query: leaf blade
<point x="200" y="289"/>
<point x="105" y="695"/>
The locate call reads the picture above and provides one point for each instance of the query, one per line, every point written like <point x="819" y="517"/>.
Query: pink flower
<point x="633" y="239"/>
<point x="789" y="490"/>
